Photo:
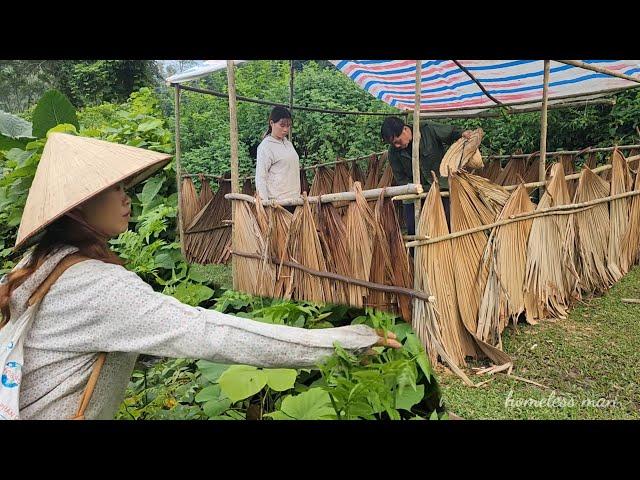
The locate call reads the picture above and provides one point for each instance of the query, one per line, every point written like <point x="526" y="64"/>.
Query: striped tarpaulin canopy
<point x="447" y="88"/>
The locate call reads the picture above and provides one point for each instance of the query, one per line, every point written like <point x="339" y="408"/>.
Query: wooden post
<point x="291" y="72"/>
<point x="233" y="127"/>
<point x="415" y="152"/>
<point x="543" y="126"/>
<point x="180" y="226"/>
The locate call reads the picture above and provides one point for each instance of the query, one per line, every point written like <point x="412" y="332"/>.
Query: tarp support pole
<point x="233" y="127"/>
<point x="180" y="226"/>
<point x="543" y="126"/>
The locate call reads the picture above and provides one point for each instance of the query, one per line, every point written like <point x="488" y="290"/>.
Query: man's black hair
<point x="391" y="128"/>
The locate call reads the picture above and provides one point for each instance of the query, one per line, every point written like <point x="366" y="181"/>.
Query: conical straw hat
<point x="73" y="169"/>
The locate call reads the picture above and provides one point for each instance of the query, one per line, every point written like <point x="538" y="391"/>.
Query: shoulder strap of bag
<point x="38" y="295"/>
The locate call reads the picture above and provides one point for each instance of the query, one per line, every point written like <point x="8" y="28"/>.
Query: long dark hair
<point x="277" y="114"/>
<point x="64" y="231"/>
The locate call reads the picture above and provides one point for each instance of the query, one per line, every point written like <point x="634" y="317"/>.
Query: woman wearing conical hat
<point x="97" y="316"/>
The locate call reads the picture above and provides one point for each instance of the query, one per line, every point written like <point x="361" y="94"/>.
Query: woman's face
<point x="280" y="129"/>
<point x="108" y="212"/>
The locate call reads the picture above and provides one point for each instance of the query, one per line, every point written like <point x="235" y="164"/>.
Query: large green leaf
<point x="242" y="381"/>
<point x="149" y="125"/>
<point x="208" y="393"/>
<point x="281" y="379"/>
<point x="7" y="142"/>
<point x="314" y="404"/>
<point x="13" y="126"/>
<point x="150" y="190"/>
<point x="216" y="407"/>
<point x="211" y="371"/>
<point x="409" y="397"/>
<point x="53" y="109"/>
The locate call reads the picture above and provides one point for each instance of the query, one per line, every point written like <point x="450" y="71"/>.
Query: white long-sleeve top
<point x="277" y="169"/>
<point x="98" y="307"/>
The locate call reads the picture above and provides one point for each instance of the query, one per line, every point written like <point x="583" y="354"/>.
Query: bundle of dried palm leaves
<point x="402" y="271"/>
<point x="267" y="270"/>
<point x="592" y="234"/>
<point x="491" y="171"/>
<point x="361" y="227"/>
<point x="280" y="224"/>
<point x="304" y="183"/>
<point x="463" y="153"/>
<point x="621" y="182"/>
<point x="533" y="171"/>
<point x="190" y="205"/>
<point x="342" y="182"/>
<point x="591" y="160"/>
<point x="381" y="267"/>
<point x="210" y="241"/>
<point x="551" y="276"/>
<point x="634" y="164"/>
<point x="436" y="274"/>
<point x="333" y="238"/>
<point x="513" y="172"/>
<point x="356" y="173"/>
<point x="569" y="167"/>
<point x="248" y="188"/>
<point x="493" y="196"/>
<point x="373" y="174"/>
<point x="206" y="194"/>
<point x="468" y="211"/>
<point x="630" y="251"/>
<point x="303" y="247"/>
<point x="504" y="296"/>
<point x="247" y="238"/>
<point x="386" y="180"/>
<point x="322" y="182"/>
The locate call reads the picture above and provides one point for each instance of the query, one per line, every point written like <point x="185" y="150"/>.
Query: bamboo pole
<point x="573" y="176"/>
<point x="179" y="225"/>
<point x="330" y="197"/>
<point x="334" y="276"/>
<point x="291" y="98"/>
<point x="564" y="152"/>
<point x="280" y="104"/>
<point x="559" y="210"/>
<point x="233" y="127"/>
<point x="542" y="170"/>
<point x="415" y="148"/>
<point x="513" y="111"/>
<point x="595" y="68"/>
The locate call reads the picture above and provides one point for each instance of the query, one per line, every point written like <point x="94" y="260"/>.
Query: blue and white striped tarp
<point x="517" y="83"/>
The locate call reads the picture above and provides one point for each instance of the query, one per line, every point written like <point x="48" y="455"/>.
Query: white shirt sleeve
<point x="263" y="164"/>
<point x="109" y="308"/>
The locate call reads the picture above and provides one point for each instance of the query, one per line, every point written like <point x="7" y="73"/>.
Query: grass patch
<point x="590" y="362"/>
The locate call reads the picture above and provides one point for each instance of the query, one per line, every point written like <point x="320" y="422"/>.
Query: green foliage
<point x="53" y="109"/>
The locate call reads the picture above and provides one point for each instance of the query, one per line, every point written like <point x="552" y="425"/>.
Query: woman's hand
<point x="389" y="341"/>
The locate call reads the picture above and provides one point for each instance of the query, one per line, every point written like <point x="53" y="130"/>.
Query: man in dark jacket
<point x="435" y="139"/>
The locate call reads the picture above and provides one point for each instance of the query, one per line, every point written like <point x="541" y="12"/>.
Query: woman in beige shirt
<point x="278" y="164"/>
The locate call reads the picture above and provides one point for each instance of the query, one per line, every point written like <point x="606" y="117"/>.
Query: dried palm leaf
<point x="435" y="263"/>
<point x="386" y="180"/>
<point x="360" y="223"/>
<point x="247" y="238"/>
<point x="211" y="240"/>
<point x="504" y="296"/>
<point x="342" y="182"/>
<point x="356" y="173"/>
<point x="401" y="266"/>
<point x="621" y="182"/>
<point x="592" y="243"/>
<point x="630" y="251"/>
<point x="206" y="194"/>
<point x="493" y="196"/>
<point x="267" y="270"/>
<point x="462" y="152"/>
<point x="333" y="237"/>
<point x="381" y="269"/>
<point x="634" y="164"/>
<point x="513" y="172"/>
<point x="304" y="183"/>
<point x="491" y="171"/>
<point x="373" y="174"/>
<point x="303" y="246"/>
<point x="322" y="182"/>
<point x="551" y="275"/>
<point x="190" y="204"/>
<point x="280" y="221"/>
<point x="248" y="188"/>
<point x="468" y="211"/>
